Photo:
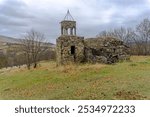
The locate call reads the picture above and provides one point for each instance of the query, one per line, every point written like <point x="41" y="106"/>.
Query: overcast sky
<point x="92" y="16"/>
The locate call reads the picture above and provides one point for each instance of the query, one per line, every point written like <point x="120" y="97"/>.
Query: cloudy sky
<point x="92" y="16"/>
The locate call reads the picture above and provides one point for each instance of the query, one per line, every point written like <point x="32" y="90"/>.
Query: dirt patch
<point x="129" y="95"/>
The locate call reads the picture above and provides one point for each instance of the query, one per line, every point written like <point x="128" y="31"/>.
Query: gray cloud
<point x="92" y="16"/>
<point x="127" y="3"/>
<point x="14" y="8"/>
<point x="14" y="17"/>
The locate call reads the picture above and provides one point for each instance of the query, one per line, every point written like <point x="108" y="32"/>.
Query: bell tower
<point x="69" y="46"/>
<point x="68" y="25"/>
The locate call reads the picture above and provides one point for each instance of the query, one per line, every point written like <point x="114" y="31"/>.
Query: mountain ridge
<point x="7" y="39"/>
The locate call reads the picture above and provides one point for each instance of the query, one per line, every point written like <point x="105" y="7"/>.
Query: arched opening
<point x="69" y="31"/>
<point x="73" y="31"/>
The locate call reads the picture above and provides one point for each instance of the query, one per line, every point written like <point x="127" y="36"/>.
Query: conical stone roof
<point x="68" y="17"/>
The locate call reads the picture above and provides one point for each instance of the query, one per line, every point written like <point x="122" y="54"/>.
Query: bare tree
<point x="104" y="33"/>
<point x="143" y="35"/>
<point x="33" y="45"/>
<point x="3" y="61"/>
<point x="122" y="33"/>
<point x="128" y="36"/>
<point x="135" y="44"/>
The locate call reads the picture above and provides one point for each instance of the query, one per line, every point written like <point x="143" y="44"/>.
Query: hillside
<point x="125" y="80"/>
<point x="8" y="42"/>
<point x="12" y="55"/>
<point x="5" y="39"/>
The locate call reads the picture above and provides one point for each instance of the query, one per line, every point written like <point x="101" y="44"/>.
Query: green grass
<point x="124" y="80"/>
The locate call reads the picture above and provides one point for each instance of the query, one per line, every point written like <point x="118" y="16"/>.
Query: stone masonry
<point x="70" y="49"/>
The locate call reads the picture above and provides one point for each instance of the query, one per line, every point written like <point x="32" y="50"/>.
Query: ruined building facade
<point x="76" y="49"/>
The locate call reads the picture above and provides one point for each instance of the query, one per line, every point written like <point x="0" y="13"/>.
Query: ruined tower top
<point x="68" y="25"/>
<point x="68" y="17"/>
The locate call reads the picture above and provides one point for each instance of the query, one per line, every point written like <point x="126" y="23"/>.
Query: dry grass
<point x="125" y="80"/>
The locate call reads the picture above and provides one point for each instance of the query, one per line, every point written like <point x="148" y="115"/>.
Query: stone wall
<point x="64" y="45"/>
<point x="93" y="50"/>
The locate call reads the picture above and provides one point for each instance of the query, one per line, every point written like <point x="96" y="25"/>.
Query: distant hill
<point x="5" y="39"/>
<point x="11" y="40"/>
<point x="11" y="54"/>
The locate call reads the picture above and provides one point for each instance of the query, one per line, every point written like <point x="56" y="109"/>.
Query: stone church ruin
<point x="76" y="49"/>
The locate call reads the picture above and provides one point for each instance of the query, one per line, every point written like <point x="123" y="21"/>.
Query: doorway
<point x="72" y="50"/>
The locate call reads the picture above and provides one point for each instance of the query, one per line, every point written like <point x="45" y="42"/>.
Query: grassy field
<point x="124" y="80"/>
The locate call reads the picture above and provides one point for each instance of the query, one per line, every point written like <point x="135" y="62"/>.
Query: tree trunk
<point x="28" y="66"/>
<point x="35" y="65"/>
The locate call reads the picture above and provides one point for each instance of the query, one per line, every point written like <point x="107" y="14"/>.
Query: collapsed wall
<point x="105" y="50"/>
